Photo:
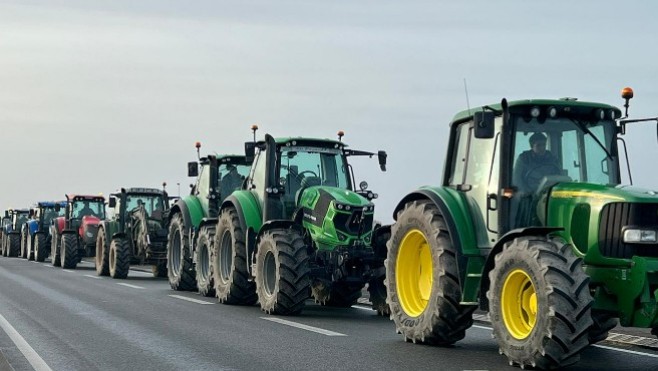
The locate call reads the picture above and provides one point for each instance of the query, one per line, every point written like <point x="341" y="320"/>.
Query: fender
<point x="498" y="247"/>
<point x="33" y="226"/>
<point x="59" y="223"/>
<point x="249" y="213"/>
<point x="190" y="209"/>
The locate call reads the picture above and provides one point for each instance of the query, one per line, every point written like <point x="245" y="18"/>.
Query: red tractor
<point x="74" y="234"/>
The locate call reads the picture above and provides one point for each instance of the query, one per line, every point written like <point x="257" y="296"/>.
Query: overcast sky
<point x="95" y="95"/>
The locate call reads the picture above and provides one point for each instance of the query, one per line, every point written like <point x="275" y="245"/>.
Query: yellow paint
<point x="573" y="194"/>
<point x="518" y="304"/>
<point x="413" y="273"/>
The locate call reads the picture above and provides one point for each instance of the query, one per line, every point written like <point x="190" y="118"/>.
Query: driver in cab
<point x="534" y="164"/>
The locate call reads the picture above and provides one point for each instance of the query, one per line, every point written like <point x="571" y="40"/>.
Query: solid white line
<point x="302" y="326"/>
<point x="90" y="276"/>
<point x="30" y="354"/>
<point x="68" y="271"/>
<point x="190" y="299"/>
<point x="140" y="273"/>
<point x="369" y="309"/>
<point x="600" y="346"/>
<point x="129" y="285"/>
<point x="48" y="265"/>
<point x="34" y="261"/>
<point x="626" y="351"/>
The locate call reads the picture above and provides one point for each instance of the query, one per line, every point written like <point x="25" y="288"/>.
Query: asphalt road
<point x="73" y="320"/>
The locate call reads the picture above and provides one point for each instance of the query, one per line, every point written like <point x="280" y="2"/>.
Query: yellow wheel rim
<point x="413" y="273"/>
<point x="519" y="304"/>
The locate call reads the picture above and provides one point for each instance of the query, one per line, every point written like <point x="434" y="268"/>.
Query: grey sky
<point x="98" y="95"/>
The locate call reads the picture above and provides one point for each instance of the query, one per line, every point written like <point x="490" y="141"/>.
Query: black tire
<point x="55" y="257"/>
<point x="230" y="262"/>
<point x="14" y="245"/>
<point x="603" y="323"/>
<point x="69" y="251"/>
<point x="31" y="250"/>
<point x="558" y="292"/>
<point x="282" y="272"/>
<point x="439" y="319"/>
<point x="102" y="258"/>
<point x="119" y="258"/>
<point x="25" y="235"/>
<point x="377" y="291"/>
<point x="337" y="294"/>
<point x="180" y="268"/>
<point x="159" y="270"/>
<point x="40" y="247"/>
<point x="204" y="268"/>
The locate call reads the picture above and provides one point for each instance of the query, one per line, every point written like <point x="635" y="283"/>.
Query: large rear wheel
<point x="101" y="260"/>
<point x="119" y="257"/>
<point x="229" y="261"/>
<point x="180" y="267"/>
<point x="421" y="278"/>
<point x="539" y="303"/>
<point x="282" y="272"/>
<point x="204" y="269"/>
<point x="69" y="251"/>
<point x="40" y="247"/>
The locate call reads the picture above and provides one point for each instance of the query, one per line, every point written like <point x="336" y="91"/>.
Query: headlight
<point x="90" y="235"/>
<point x="635" y="235"/>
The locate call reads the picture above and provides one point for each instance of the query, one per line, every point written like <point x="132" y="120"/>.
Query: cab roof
<point x="76" y="197"/>
<point x="50" y="204"/>
<point x="558" y="103"/>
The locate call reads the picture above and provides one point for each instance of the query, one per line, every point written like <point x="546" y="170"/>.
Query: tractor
<point x="193" y="218"/>
<point x="74" y="234"/>
<point x="136" y="234"/>
<point x="35" y="233"/>
<point x="4" y="222"/>
<point x="14" y="219"/>
<point x="299" y="229"/>
<point x="531" y="223"/>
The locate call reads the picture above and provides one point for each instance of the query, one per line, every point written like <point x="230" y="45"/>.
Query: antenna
<point x="468" y="103"/>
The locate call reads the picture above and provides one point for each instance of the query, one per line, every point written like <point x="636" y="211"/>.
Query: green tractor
<point x="532" y="225"/>
<point x="136" y="234"/>
<point x="299" y="229"/>
<point x="193" y="218"/>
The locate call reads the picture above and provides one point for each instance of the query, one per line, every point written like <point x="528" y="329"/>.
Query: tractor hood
<point x="339" y="195"/>
<point x="90" y="220"/>
<point x="603" y="193"/>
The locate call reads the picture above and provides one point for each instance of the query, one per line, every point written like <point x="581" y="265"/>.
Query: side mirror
<point x="381" y="156"/>
<point x="6" y="213"/>
<point x="112" y="202"/>
<point x="31" y="214"/>
<point x="192" y="169"/>
<point x="58" y="207"/>
<point x="250" y="151"/>
<point x="484" y="124"/>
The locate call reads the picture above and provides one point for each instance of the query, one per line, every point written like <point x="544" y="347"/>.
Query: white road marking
<point x="30" y="354"/>
<point x="191" y="299"/>
<point x="599" y="346"/>
<point x="129" y="285"/>
<point x="369" y="309"/>
<point x="68" y="271"/>
<point x="34" y="261"/>
<point x="48" y="265"/>
<point x="90" y="276"/>
<point x="302" y="326"/>
<point x="140" y="273"/>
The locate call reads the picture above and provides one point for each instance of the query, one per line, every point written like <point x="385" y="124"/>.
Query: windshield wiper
<point x="585" y="129"/>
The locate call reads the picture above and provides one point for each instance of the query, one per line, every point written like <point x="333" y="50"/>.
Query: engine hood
<point x="603" y="193"/>
<point x="90" y="220"/>
<point x="340" y="195"/>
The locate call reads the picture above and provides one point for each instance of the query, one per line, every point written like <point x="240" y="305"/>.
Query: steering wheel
<point x="534" y="177"/>
<point x="301" y="175"/>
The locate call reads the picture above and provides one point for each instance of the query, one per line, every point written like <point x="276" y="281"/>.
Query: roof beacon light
<point x="340" y="135"/>
<point x="198" y="148"/>
<point x="627" y="95"/>
<point x="254" y="129"/>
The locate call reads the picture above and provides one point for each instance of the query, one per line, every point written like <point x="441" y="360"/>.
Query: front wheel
<point x="204" y="274"/>
<point x="422" y="282"/>
<point x="101" y="260"/>
<point x="14" y="245"/>
<point x="539" y="303"/>
<point x="282" y="272"/>
<point x="69" y="251"/>
<point x="55" y="243"/>
<point x="377" y="292"/>
<point x="25" y="236"/>
<point x="40" y="248"/>
<point x="180" y="268"/>
<point x="119" y="257"/>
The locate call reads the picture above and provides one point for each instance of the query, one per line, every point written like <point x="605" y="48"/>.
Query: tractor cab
<point x="80" y="208"/>
<point x="45" y="212"/>
<point x="18" y="218"/>
<point x="154" y="202"/>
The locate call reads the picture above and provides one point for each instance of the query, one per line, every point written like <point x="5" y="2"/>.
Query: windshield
<point x="231" y="177"/>
<point x="48" y="214"/>
<point x="88" y="208"/>
<point x="150" y="203"/>
<point x="303" y="167"/>
<point x="564" y="150"/>
<point x="20" y="219"/>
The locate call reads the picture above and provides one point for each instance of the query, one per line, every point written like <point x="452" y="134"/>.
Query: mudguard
<point x="33" y="226"/>
<point x="191" y="210"/>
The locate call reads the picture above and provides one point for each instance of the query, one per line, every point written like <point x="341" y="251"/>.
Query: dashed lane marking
<point x="90" y="276"/>
<point x="191" y="299"/>
<point x="129" y="285"/>
<point x="303" y="326"/>
<point x="30" y="354"/>
<point x="68" y="271"/>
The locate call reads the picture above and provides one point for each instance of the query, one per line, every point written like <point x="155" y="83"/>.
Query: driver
<point x="534" y="164"/>
<point x="86" y="210"/>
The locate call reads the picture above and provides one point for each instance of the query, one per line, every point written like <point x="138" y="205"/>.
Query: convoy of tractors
<point x="530" y="224"/>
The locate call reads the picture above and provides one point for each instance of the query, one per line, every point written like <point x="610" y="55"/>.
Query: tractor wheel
<point x="229" y="261"/>
<point x="55" y="258"/>
<point x="422" y="287"/>
<point x="14" y="245"/>
<point x="180" y="267"/>
<point x="69" y="251"/>
<point x="539" y="303"/>
<point x="204" y="275"/>
<point x="31" y="251"/>
<point x="338" y="295"/>
<point x="25" y="235"/>
<point x="377" y="291"/>
<point x="159" y="270"/>
<point x="119" y="257"/>
<point x="102" y="259"/>
<point x="603" y="323"/>
<point x="40" y="248"/>
<point x="282" y="272"/>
